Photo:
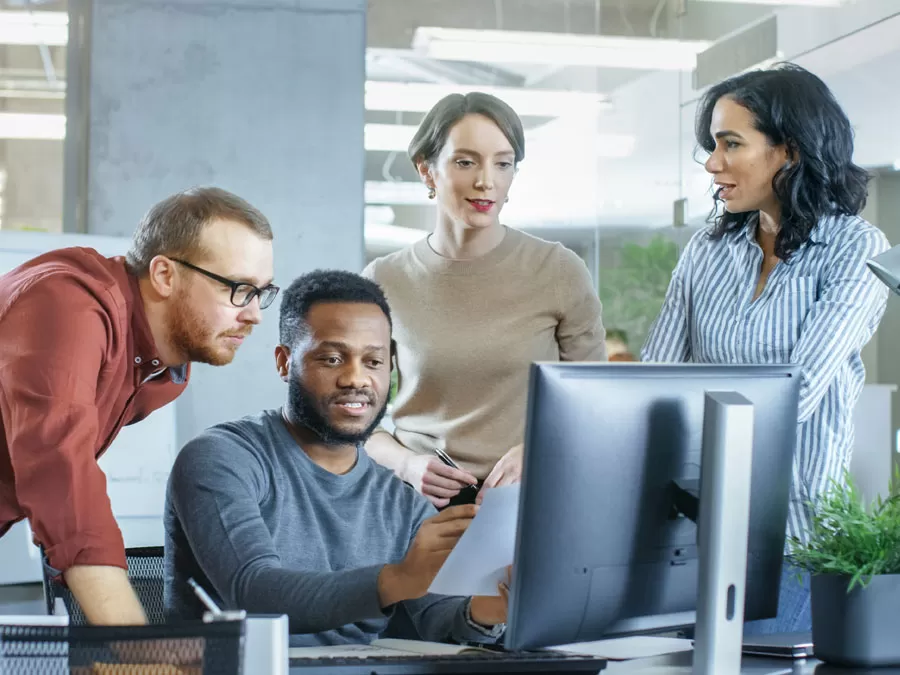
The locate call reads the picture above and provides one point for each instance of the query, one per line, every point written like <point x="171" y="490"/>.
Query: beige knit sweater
<point x="467" y="331"/>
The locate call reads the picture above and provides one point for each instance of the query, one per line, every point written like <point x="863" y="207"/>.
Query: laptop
<point x="781" y="645"/>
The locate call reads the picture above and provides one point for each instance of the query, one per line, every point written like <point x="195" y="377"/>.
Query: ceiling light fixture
<point x="396" y="138"/>
<point x="396" y="192"/>
<point x="421" y="97"/>
<point x="32" y="126"/>
<point x="34" y="28"/>
<point x="499" y="46"/>
<point x="782" y="3"/>
<point x="388" y="137"/>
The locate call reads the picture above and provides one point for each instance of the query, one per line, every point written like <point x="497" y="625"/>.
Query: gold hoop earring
<point x="431" y="193"/>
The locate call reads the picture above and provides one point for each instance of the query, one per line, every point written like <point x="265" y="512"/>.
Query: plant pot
<point x="859" y="628"/>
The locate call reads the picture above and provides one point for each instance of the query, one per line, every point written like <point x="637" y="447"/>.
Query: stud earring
<point x="431" y="193"/>
<point x="506" y="201"/>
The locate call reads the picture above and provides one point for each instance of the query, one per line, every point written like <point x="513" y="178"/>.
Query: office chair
<point x="145" y="572"/>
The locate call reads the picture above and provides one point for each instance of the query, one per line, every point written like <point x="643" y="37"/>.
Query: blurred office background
<point x="305" y="107"/>
<point x="607" y="90"/>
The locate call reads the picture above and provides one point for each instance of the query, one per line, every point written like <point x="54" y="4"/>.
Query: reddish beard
<point x="194" y="339"/>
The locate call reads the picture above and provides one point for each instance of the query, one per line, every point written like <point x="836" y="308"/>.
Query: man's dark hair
<point x="323" y="286"/>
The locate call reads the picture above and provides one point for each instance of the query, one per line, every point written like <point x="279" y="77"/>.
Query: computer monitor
<point x="601" y="550"/>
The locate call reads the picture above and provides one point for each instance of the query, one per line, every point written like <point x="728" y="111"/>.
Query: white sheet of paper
<point x="627" y="648"/>
<point x="424" y="647"/>
<point x="344" y="651"/>
<point x="383" y="647"/>
<point x="479" y="560"/>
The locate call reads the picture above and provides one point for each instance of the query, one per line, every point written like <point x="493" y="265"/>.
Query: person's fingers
<point x="438" y="491"/>
<point x="507" y="479"/>
<point x="462" y="477"/>
<point x="437" y="480"/>
<point x="452" y="529"/>
<point x="438" y="502"/>
<point x="442" y="546"/>
<point x="494" y="477"/>
<point x="464" y="511"/>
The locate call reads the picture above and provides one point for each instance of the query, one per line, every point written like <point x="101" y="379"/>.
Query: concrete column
<point x="261" y="98"/>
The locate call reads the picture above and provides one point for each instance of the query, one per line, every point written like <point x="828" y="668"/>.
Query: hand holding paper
<point x="432" y="544"/>
<point x="478" y="562"/>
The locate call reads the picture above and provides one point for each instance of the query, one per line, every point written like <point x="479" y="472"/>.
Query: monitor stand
<point x="722" y="514"/>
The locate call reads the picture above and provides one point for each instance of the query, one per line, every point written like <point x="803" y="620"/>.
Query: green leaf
<point x="849" y="538"/>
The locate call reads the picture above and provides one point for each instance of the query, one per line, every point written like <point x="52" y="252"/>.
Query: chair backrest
<point x="146" y="574"/>
<point x="186" y="648"/>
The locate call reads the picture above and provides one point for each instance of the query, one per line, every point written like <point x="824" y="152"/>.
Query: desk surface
<point x="680" y="664"/>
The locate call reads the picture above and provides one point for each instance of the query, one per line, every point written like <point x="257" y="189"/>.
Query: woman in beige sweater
<point x="473" y="305"/>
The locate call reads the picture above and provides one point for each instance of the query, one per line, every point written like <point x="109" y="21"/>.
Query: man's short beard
<point x="191" y="338"/>
<point x="305" y="411"/>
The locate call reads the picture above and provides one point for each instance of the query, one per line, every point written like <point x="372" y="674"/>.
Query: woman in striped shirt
<point x="780" y="276"/>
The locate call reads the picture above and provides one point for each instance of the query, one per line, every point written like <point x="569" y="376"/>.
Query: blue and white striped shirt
<point x="817" y="310"/>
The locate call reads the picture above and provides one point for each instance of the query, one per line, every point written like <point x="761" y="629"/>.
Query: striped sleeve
<point x="669" y="337"/>
<point x="851" y="301"/>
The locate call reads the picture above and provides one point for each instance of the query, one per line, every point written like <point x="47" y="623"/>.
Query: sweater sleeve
<point x="580" y="332"/>
<point x="216" y="487"/>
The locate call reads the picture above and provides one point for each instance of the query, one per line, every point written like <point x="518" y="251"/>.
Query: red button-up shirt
<point x="77" y="361"/>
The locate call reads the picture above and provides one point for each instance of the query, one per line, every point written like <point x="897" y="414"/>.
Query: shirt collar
<point x="146" y="358"/>
<point x="821" y="234"/>
<point x="747" y="234"/>
<point x="145" y="351"/>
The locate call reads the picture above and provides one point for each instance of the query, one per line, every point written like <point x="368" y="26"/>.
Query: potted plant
<point x="853" y="557"/>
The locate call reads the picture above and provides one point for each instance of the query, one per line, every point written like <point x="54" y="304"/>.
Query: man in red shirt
<point x="89" y="344"/>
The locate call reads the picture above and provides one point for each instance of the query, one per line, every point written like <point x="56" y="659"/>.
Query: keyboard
<point x="507" y="663"/>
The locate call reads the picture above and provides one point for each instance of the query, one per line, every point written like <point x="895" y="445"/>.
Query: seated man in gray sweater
<point x="283" y="512"/>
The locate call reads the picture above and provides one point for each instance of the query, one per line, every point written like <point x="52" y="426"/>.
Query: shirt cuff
<point x="87" y="549"/>
<point x="494" y="632"/>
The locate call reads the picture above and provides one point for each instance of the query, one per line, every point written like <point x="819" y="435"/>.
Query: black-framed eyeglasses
<point x="242" y="293"/>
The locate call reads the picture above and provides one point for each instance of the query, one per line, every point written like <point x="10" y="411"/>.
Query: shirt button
<point x="137" y="360"/>
<point x="155" y="362"/>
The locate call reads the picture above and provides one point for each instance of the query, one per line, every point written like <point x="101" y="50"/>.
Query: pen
<point x="204" y="598"/>
<point x="445" y="458"/>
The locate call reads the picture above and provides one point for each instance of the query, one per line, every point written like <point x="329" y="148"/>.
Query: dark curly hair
<point x="323" y="286"/>
<point x="795" y="108"/>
